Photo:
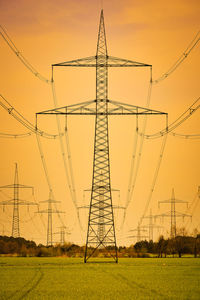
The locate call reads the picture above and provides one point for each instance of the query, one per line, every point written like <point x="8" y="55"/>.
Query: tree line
<point x="178" y="246"/>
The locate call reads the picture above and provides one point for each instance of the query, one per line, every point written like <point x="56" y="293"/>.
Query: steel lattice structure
<point x="173" y="214"/>
<point x="101" y="228"/>
<point x="49" y="211"/>
<point x="16" y="202"/>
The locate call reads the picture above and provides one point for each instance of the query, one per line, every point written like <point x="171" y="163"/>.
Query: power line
<point x="155" y="177"/>
<point x="185" y="136"/>
<point x="182" y="118"/>
<point x="179" y="61"/>
<point x="21" y="119"/>
<point x="15" y="136"/>
<point x="20" y="56"/>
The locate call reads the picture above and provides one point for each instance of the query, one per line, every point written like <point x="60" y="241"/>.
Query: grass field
<point x="70" y="278"/>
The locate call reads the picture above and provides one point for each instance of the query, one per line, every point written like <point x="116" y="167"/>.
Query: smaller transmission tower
<point x="151" y="225"/>
<point x="62" y="232"/>
<point x="173" y="214"/>
<point x="49" y="211"/>
<point x="139" y="236"/>
<point x="16" y="202"/>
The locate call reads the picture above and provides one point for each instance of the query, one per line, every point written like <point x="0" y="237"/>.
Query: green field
<point x="70" y="278"/>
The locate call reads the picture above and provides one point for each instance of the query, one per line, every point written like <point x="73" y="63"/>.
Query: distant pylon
<point x="139" y="236"/>
<point x="49" y="211"/>
<point x="62" y="232"/>
<point x="16" y="202"/>
<point x="151" y="225"/>
<point x="101" y="108"/>
<point x="173" y="214"/>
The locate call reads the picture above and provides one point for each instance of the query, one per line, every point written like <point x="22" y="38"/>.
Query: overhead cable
<point x="154" y="178"/>
<point x="12" y="46"/>
<point x="185" y="54"/>
<point x="182" y="118"/>
<point x="135" y="164"/>
<point x="68" y="173"/>
<point x="185" y="136"/>
<point x="21" y="119"/>
<point x="15" y="136"/>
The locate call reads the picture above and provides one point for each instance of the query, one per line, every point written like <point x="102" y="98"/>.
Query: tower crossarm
<point x="50" y="201"/>
<point x="49" y="211"/>
<point x="89" y="108"/>
<point x="121" y="62"/>
<point x="80" y="62"/>
<point x="178" y="214"/>
<point x="16" y="185"/>
<point x="175" y="200"/>
<point x="120" y="108"/>
<point x="92" y="61"/>
<point x="20" y="202"/>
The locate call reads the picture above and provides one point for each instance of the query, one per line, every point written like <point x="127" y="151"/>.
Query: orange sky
<point x="47" y="32"/>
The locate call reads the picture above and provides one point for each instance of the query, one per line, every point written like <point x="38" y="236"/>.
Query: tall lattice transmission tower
<point x="16" y="202"/>
<point x="101" y="225"/>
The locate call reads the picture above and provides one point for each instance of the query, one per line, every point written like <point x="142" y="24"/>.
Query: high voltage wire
<point x="185" y="54"/>
<point x="15" y="136"/>
<point x="132" y="179"/>
<point x="44" y="164"/>
<point x="12" y="46"/>
<point x="155" y="177"/>
<point x="69" y="177"/>
<point x="27" y="64"/>
<point x="182" y="118"/>
<point x="21" y="119"/>
<point x="185" y="136"/>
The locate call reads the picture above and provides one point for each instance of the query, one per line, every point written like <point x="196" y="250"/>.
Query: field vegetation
<point x="69" y="278"/>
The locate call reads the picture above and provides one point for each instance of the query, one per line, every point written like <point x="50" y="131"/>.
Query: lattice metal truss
<point x="101" y="228"/>
<point x="49" y="211"/>
<point x="16" y="202"/>
<point x="173" y="214"/>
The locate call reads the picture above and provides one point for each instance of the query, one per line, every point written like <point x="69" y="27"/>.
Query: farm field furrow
<point x="70" y="278"/>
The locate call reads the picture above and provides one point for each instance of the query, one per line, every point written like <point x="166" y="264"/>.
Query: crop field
<point x="70" y="278"/>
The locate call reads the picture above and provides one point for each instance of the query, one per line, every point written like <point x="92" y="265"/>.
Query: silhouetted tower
<point x="151" y="225"/>
<point x="63" y="231"/>
<point x="173" y="214"/>
<point x="49" y="211"/>
<point x="101" y="107"/>
<point x="16" y="202"/>
<point x="139" y="236"/>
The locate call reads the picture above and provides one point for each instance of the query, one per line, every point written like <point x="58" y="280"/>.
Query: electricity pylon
<point x="62" y="233"/>
<point x="101" y="108"/>
<point x="139" y="236"/>
<point x="173" y="214"/>
<point x="49" y="211"/>
<point x="16" y="202"/>
<point x="151" y="225"/>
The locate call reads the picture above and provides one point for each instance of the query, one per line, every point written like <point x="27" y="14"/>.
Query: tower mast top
<point x="101" y="43"/>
